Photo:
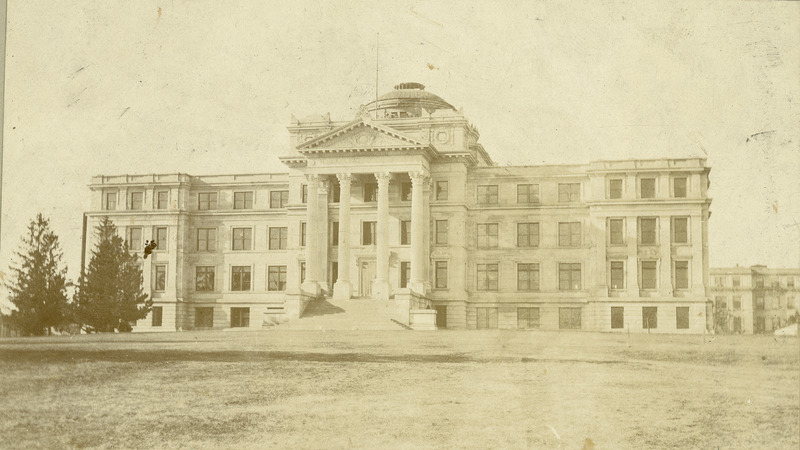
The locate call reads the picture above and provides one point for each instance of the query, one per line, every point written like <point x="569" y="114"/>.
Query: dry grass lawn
<point x="500" y="389"/>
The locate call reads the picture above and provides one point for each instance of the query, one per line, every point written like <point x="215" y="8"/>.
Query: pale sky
<point x="206" y="87"/>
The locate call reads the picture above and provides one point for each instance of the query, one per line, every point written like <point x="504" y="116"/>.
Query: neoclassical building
<point x="404" y="206"/>
<point x="755" y="299"/>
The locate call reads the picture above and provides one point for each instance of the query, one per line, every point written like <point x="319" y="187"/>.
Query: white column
<point x="311" y="283"/>
<point x="418" y="266"/>
<point x="322" y="230"/>
<point x="343" y="289"/>
<point x="381" y="289"/>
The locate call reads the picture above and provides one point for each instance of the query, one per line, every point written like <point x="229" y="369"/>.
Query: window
<point x="242" y="238"/>
<point x="204" y="317"/>
<point x="569" y="234"/>
<point x="304" y="194"/>
<point x="160" y="281"/>
<point x="736" y="280"/>
<point x="649" y="317"/>
<point x="759" y="281"/>
<point x="335" y="234"/>
<point x="569" y="276"/>
<point x="527" y="235"/>
<point x="528" y="277"/>
<point x="487" y="194"/>
<point x="277" y="199"/>
<point x="648" y="234"/>
<point x="569" y="318"/>
<point x="679" y="187"/>
<point x="336" y="192"/>
<point x="244" y="200"/>
<point x="681" y="274"/>
<point x="680" y="230"/>
<point x="487" y="235"/>
<point x="649" y="277"/>
<point x="441" y="232"/>
<point x="569" y="192"/>
<point x="206" y="201"/>
<point x="204" y="278"/>
<point x="162" y="200"/>
<point x="527" y="193"/>
<point x="134" y="238"/>
<point x="719" y="281"/>
<point x="617" y="317"/>
<point x="441" y="275"/>
<point x="206" y="239"/>
<point x="156" y="314"/>
<point x="737" y="302"/>
<point x="302" y="234"/>
<point x="110" y="201"/>
<point x="681" y="317"/>
<point x="160" y="236"/>
<point x="487" y="318"/>
<point x="527" y="318"/>
<point x="720" y="303"/>
<point x="615" y="188"/>
<point x="302" y="272"/>
<point x="648" y="187"/>
<point x="617" y="275"/>
<point x="790" y="302"/>
<point x="616" y="233"/>
<point x="370" y="192"/>
<point x="790" y="282"/>
<point x="487" y="277"/>
<point x="441" y="190"/>
<point x="405" y="273"/>
<point x="278" y="237"/>
<point x="240" y="278"/>
<point x="759" y="301"/>
<point x="240" y="317"/>
<point x="137" y="199"/>
<point x="276" y="278"/>
<point x="368" y="232"/>
<point x="405" y="232"/>
<point x="405" y="191"/>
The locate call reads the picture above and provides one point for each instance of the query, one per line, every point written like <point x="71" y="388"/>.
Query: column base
<point x="381" y="290"/>
<point x="417" y="287"/>
<point x="342" y="290"/>
<point x="311" y="288"/>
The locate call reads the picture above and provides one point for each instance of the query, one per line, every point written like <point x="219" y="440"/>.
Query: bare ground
<point x="502" y="389"/>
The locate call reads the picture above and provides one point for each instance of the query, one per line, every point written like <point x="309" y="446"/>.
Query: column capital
<point x="344" y="178"/>
<point x="312" y="178"/>
<point x="324" y="184"/>
<point x="383" y="178"/>
<point x="419" y="177"/>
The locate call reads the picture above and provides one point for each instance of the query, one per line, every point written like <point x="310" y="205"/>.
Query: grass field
<point x="476" y="389"/>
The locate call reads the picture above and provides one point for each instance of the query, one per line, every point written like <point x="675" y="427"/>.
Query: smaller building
<point x="754" y="299"/>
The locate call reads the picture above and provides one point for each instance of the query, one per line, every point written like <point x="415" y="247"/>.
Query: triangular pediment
<point x="359" y="135"/>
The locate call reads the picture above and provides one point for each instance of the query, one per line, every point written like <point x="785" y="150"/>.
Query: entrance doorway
<point x="366" y="276"/>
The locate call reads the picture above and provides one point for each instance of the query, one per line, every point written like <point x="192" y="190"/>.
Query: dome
<point x="407" y="100"/>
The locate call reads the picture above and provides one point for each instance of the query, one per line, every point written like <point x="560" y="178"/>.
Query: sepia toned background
<point x="206" y="87"/>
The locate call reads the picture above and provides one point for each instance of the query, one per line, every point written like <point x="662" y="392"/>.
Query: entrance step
<point x="353" y="314"/>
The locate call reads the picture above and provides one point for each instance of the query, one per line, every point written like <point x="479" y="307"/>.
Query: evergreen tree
<point x="37" y="282"/>
<point x="110" y="295"/>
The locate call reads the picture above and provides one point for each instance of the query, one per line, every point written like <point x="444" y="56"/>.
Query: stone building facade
<point x="404" y="202"/>
<point x="754" y="299"/>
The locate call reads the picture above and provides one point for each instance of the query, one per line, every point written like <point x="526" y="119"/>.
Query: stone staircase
<point x="353" y="314"/>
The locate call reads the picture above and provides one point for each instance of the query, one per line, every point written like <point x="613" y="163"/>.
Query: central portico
<point x="378" y="160"/>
